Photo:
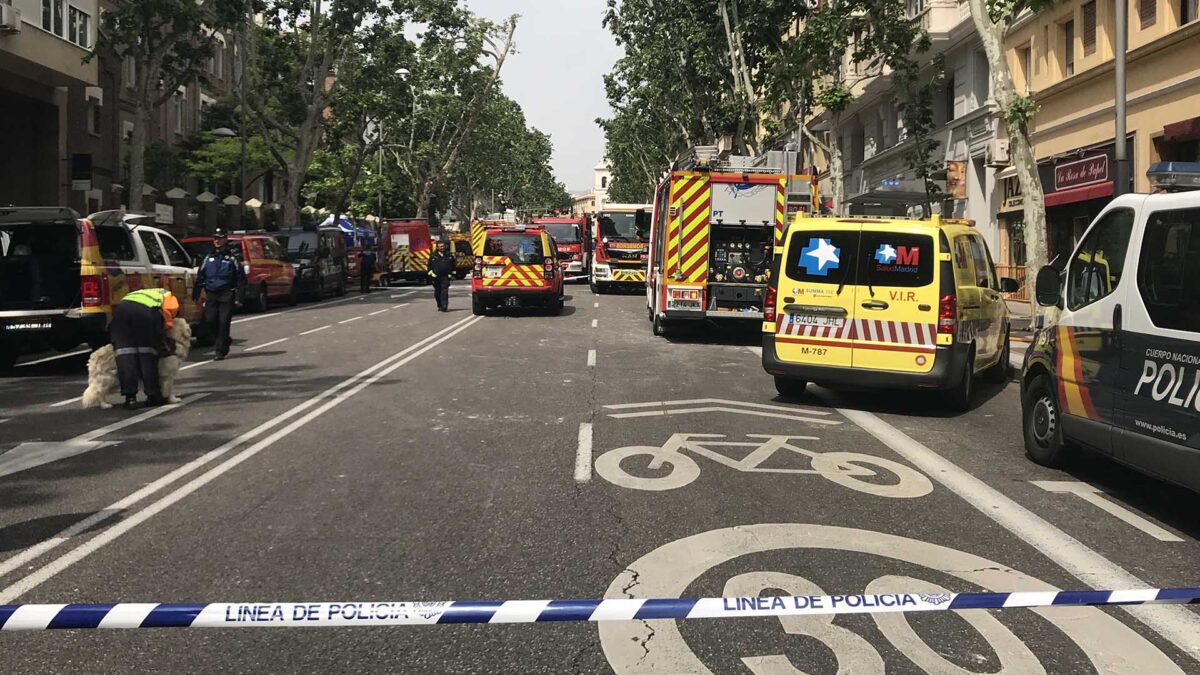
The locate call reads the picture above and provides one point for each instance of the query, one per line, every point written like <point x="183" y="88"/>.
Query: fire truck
<point x="621" y="245"/>
<point x="716" y="223"/>
<point x="571" y="236"/>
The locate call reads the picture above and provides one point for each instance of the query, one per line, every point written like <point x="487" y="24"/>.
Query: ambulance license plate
<point x="492" y="272"/>
<point x="816" y="320"/>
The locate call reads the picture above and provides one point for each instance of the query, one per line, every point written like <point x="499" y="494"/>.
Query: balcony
<point x="938" y="17"/>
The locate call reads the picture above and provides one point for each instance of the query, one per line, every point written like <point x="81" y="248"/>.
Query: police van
<point x="1119" y="372"/>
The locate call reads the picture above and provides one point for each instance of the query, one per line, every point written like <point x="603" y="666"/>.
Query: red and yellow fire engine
<point x="714" y="230"/>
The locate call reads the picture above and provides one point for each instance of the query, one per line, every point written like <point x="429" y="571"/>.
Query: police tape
<point x="297" y="614"/>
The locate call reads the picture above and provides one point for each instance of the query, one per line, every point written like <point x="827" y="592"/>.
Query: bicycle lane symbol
<point x="852" y="470"/>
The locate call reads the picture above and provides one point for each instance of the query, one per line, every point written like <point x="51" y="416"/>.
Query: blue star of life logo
<point x="820" y="256"/>
<point x="886" y="254"/>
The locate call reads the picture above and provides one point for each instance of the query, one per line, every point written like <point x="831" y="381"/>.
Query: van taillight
<point x="769" y="303"/>
<point x="948" y="314"/>
<point x="477" y="270"/>
<point x="94" y="290"/>
<point x="548" y="267"/>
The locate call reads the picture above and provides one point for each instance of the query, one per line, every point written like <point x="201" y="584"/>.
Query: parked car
<point x="891" y="303"/>
<point x="61" y="275"/>
<point x="269" y="276"/>
<point x="319" y="260"/>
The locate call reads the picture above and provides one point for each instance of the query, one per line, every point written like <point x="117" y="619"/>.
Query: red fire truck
<point x="574" y="245"/>
<point x="621" y="245"/>
<point x="715" y="226"/>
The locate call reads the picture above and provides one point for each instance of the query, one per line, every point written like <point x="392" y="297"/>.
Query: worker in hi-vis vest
<point x="138" y="328"/>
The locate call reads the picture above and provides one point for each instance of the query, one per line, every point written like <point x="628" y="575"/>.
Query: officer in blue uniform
<point x="221" y="278"/>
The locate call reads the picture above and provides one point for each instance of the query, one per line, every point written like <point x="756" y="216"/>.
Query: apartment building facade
<point x="1063" y="59"/>
<point x="51" y="97"/>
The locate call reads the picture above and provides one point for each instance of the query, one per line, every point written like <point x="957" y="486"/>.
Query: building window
<point x="948" y="101"/>
<point x="1148" y="11"/>
<point x="219" y="60"/>
<point x="603" y="182"/>
<point x="1089" y="28"/>
<point x="1025" y="62"/>
<point x="1187" y="11"/>
<point x="915" y="7"/>
<point x="129" y="71"/>
<point x="52" y="16"/>
<point x="93" y="118"/>
<point x="79" y="29"/>
<point x="1068" y="31"/>
<point x="179" y="112"/>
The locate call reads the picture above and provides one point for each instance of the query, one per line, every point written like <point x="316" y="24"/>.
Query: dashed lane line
<point x="1176" y="624"/>
<point x="317" y="330"/>
<point x="403" y="304"/>
<point x="591" y="359"/>
<point x="595" y="322"/>
<point x="266" y="344"/>
<point x="347" y="321"/>
<point x="379" y="312"/>
<point x="324" y="303"/>
<point x="583" y="454"/>
<point x="327" y="399"/>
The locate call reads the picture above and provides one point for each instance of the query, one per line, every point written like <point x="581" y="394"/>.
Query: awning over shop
<point x="1080" y="194"/>
<point x="1187" y="130"/>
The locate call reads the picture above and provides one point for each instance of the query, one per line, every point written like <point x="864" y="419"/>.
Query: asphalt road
<point x="371" y="448"/>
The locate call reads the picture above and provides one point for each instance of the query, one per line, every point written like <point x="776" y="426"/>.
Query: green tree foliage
<point x="169" y="43"/>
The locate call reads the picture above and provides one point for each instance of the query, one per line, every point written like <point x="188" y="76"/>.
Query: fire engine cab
<point x="716" y="223"/>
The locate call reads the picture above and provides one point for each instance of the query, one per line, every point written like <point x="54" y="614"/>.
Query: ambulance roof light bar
<point x="1174" y="176"/>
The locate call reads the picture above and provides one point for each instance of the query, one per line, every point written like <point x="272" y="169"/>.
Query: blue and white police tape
<point x="295" y="614"/>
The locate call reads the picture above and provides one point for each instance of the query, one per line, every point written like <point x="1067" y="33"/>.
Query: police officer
<point x="221" y="279"/>
<point x="139" y="339"/>
<point x="441" y="266"/>
<point x="366" y="267"/>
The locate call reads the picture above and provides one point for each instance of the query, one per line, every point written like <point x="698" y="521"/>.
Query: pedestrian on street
<point x="138" y="331"/>
<point x="441" y="266"/>
<point x="366" y="267"/>
<point x="221" y="279"/>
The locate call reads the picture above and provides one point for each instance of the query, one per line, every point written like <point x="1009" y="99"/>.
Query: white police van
<point x="1119" y="373"/>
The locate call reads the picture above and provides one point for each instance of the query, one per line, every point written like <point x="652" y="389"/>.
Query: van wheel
<point x="663" y="327"/>
<point x="595" y="289"/>
<point x="460" y="275"/>
<point x="999" y="373"/>
<point x="790" y="387"/>
<point x="477" y="307"/>
<point x="556" y="307"/>
<point x="341" y="287"/>
<point x="260" y="299"/>
<point x="1041" y="423"/>
<point x="960" y="395"/>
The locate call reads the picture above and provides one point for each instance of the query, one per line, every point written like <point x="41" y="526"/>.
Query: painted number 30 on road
<point x="668" y="571"/>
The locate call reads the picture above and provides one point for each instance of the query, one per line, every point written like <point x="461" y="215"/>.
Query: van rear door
<point x="896" y="302"/>
<point x="815" y="299"/>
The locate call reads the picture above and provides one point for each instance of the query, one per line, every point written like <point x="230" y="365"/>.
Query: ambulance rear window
<point x="896" y="259"/>
<point x="522" y="249"/>
<point x="824" y="257"/>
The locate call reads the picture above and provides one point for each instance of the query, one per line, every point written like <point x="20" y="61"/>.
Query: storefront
<point x="1077" y="186"/>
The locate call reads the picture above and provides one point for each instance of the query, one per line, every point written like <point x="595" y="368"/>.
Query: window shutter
<point x="1148" y="11"/>
<point x="1089" y="28"/>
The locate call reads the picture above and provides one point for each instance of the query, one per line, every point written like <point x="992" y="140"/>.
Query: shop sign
<point x="1013" y="197"/>
<point x="1081" y="172"/>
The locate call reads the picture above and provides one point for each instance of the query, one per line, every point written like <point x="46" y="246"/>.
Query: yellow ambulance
<point x="886" y="303"/>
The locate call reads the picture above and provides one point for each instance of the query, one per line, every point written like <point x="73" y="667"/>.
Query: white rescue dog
<point x="102" y="369"/>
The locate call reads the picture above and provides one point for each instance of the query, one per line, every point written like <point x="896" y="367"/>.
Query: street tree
<point x="169" y="43"/>
<point x="993" y="19"/>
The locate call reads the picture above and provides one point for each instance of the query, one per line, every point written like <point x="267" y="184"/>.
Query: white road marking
<point x="322" y="303"/>
<point x="336" y="396"/>
<point x="757" y="351"/>
<point x="316" y="330"/>
<point x="30" y="455"/>
<point x="595" y="322"/>
<point x="403" y="295"/>
<point x="256" y="317"/>
<point x="1176" y="624"/>
<point x="67" y="402"/>
<point x="595" y="304"/>
<point x="591" y="358"/>
<point x="403" y="304"/>
<point x="743" y="404"/>
<point x="1094" y="496"/>
<point x="347" y="321"/>
<point x="54" y="358"/>
<point x="379" y="312"/>
<point x="267" y="344"/>
<point x="583" y="454"/>
<point x="4" y="419"/>
<point x="195" y="365"/>
<point x="718" y="408"/>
